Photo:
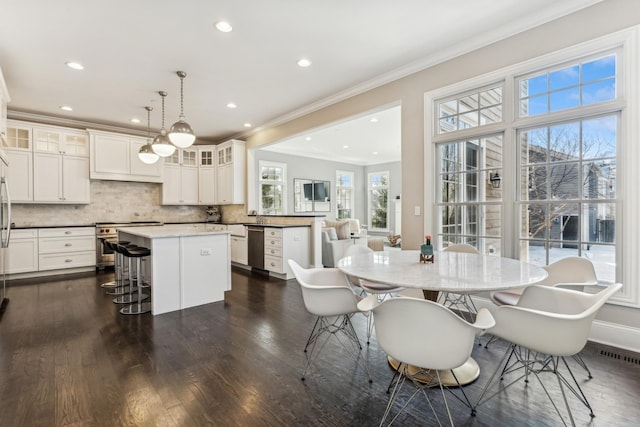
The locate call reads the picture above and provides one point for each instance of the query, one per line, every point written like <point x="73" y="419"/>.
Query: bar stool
<point x="123" y="279"/>
<point x="107" y="245"/>
<point x="138" y="253"/>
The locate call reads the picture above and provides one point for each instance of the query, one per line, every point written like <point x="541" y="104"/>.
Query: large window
<point x="273" y="179"/>
<point x="344" y="194"/>
<point x="378" y="201"/>
<point x="555" y="192"/>
<point x="469" y="207"/>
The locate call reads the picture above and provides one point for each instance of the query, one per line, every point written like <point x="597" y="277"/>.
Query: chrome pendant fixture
<point x="161" y="144"/>
<point x="181" y="134"/>
<point x="146" y="154"/>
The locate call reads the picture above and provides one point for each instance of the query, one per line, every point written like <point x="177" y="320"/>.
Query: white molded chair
<point x="462" y="303"/>
<point x="570" y="273"/>
<point x="547" y="325"/>
<point x="381" y="290"/>
<point x="326" y="294"/>
<point x="425" y="334"/>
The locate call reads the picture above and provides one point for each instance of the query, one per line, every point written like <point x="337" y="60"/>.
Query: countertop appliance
<point x="109" y="231"/>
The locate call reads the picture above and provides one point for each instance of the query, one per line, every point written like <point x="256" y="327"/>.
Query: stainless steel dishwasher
<point x="256" y="247"/>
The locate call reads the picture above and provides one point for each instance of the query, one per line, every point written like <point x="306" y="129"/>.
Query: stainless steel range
<point x="109" y="231"/>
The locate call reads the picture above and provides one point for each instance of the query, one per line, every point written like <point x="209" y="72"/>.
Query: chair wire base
<point x="534" y="363"/>
<point x="339" y="327"/>
<point x="401" y="376"/>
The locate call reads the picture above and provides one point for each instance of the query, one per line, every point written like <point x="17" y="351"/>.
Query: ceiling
<point x="132" y="49"/>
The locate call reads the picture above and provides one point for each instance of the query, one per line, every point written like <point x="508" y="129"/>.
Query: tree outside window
<point x="273" y="178"/>
<point x="378" y="201"/>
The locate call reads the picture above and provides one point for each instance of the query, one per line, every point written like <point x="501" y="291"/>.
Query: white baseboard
<point x="612" y="334"/>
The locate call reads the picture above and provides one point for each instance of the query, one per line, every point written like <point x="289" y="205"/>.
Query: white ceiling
<point x="132" y="49"/>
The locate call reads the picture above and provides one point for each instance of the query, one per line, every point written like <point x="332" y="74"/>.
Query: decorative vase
<point x="426" y="250"/>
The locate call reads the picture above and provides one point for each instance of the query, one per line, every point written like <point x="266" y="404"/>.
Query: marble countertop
<point x="452" y="271"/>
<point x="158" y="232"/>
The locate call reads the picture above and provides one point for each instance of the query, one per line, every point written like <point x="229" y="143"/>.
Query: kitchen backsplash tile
<point x="110" y="201"/>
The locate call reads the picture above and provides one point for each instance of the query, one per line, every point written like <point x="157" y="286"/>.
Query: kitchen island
<point x="188" y="266"/>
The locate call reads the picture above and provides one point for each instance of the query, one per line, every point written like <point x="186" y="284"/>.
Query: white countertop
<point x="159" y="232"/>
<point x="452" y="271"/>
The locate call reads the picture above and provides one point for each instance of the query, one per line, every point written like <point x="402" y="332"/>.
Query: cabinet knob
<point x="68" y="260"/>
<point x="68" y="232"/>
<point x="68" y="244"/>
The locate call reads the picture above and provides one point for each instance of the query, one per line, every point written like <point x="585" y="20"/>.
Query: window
<point x="557" y="194"/>
<point x="477" y="108"/>
<point x="378" y="201"/>
<point x="570" y="86"/>
<point x="469" y="207"/>
<point x="273" y="179"/>
<point x="568" y="192"/>
<point x="344" y="194"/>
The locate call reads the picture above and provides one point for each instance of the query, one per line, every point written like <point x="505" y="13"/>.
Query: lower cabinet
<point x="37" y="250"/>
<point x="282" y="244"/>
<point x="22" y="254"/>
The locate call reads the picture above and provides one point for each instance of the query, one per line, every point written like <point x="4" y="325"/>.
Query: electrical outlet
<point x="416" y="210"/>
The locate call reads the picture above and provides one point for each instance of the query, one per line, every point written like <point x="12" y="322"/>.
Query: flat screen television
<point x="317" y="191"/>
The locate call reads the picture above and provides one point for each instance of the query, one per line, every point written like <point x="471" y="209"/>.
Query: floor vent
<point x="614" y="355"/>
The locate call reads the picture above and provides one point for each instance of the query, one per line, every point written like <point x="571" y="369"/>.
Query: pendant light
<point x="181" y="134"/>
<point x="161" y="144"/>
<point x="146" y="154"/>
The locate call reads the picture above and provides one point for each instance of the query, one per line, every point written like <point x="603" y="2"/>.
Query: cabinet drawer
<point x="66" y="244"/>
<point x="31" y="233"/>
<point x="67" y="260"/>
<point x="271" y="243"/>
<point x="273" y="232"/>
<point x="272" y="263"/>
<point x="67" y="232"/>
<point x="273" y="251"/>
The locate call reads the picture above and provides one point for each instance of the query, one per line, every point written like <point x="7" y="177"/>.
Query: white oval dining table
<point x="455" y="272"/>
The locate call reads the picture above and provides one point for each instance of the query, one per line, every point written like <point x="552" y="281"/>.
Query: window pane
<point x="564" y="99"/>
<point x="491" y="97"/>
<point x="536" y="180"/>
<point x="599" y="137"/>
<point x="535" y="218"/>
<point x="490" y="115"/>
<point x="468" y="120"/>
<point x="533" y="86"/>
<point x="599" y="92"/>
<point x="564" y="142"/>
<point x="564" y="78"/>
<point x="564" y="180"/>
<point x="599" y="180"/>
<point x="534" y="106"/>
<point x="599" y="69"/>
<point x="470" y="110"/>
<point x="564" y="224"/>
<point x="600" y="222"/>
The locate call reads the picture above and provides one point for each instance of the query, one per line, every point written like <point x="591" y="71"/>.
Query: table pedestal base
<point x="466" y="374"/>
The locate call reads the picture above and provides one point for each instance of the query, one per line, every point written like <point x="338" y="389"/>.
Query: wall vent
<point x="615" y="355"/>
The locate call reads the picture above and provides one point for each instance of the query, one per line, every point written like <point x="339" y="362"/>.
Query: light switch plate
<point x="416" y="210"/>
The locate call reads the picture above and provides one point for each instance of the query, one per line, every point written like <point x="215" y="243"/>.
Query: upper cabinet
<point x="114" y="156"/>
<point x="231" y="173"/>
<point x="49" y="164"/>
<point x="4" y="100"/>
<point x="61" y="165"/>
<point x="180" y="185"/>
<point x="207" y="175"/>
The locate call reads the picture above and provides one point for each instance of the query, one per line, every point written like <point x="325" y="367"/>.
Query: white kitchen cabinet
<point x="20" y="152"/>
<point x="64" y="248"/>
<point x="180" y="178"/>
<point x="281" y="244"/>
<point x="4" y="100"/>
<point x="206" y="175"/>
<point x="22" y="254"/>
<point x="231" y="173"/>
<point x="114" y="156"/>
<point x="239" y="247"/>
<point x="61" y="165"/>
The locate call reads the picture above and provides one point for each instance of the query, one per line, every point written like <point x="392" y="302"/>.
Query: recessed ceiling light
<point x="247" y="125"/>
<point x="304" y="63"/>
<point x="135" y="120"/>
<point x="224" y="26"/>
<point x="345" y="146"/>
<point x="75" y="65"/>
<point x="374" y="120"/>
<point x="66" y="108"/>
<point x="375" y="153"/>
<point x="231" y="105"/>
<point x="308" y="138"/>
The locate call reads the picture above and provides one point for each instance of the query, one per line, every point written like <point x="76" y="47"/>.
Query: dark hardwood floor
<point x="68" y="358"/>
